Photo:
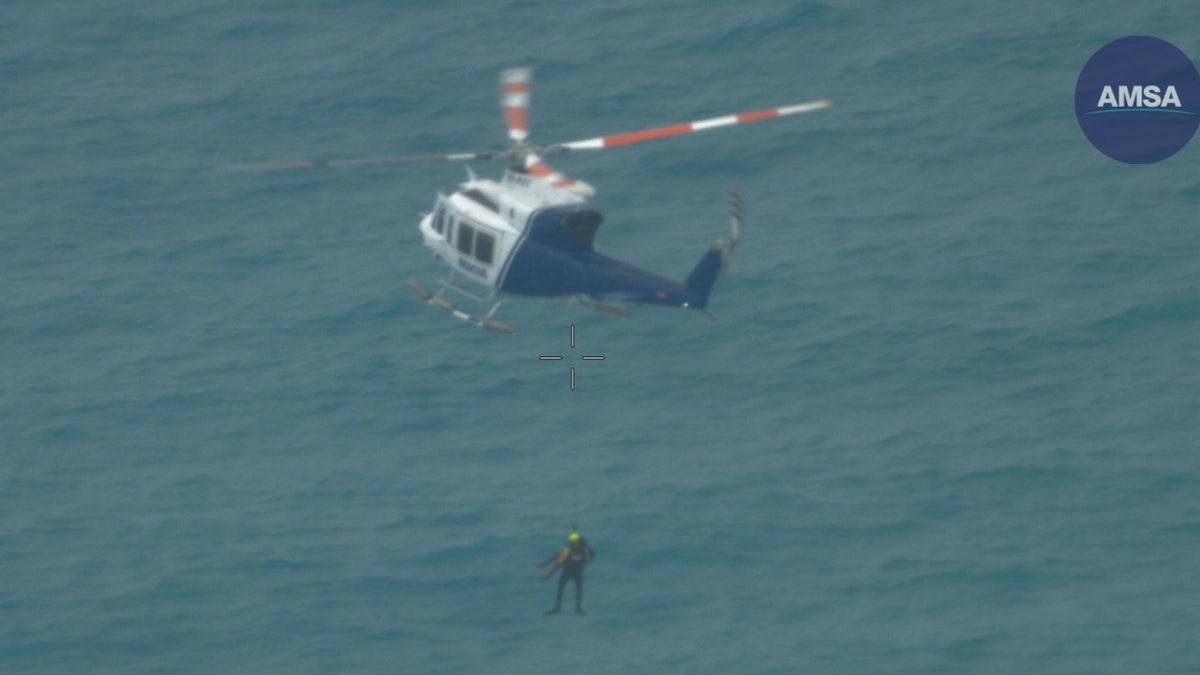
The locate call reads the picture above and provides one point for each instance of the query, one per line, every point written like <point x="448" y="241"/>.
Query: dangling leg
<point x="579" y="595"/>
<point x="562" y="581"/>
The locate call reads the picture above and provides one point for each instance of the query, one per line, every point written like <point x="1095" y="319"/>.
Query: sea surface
<point x="941" y="416"/>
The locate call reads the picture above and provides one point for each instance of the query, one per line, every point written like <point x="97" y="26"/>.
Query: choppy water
<point x="943" y="421"/>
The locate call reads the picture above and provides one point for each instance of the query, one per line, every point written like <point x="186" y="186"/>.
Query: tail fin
<point x="704" y="276"/>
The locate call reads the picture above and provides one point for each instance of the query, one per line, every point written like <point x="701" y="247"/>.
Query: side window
<point x="466" y="234"/>
<point x="439" y="218"/>
<point x="485" y="244"/>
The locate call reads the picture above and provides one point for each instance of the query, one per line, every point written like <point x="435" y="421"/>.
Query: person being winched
<point x="572" y="559"/>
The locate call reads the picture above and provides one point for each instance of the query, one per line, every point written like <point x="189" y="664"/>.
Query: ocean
<point x="940" y="417"/>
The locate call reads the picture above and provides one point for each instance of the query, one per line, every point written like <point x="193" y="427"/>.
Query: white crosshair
<point x="559" y="358"/>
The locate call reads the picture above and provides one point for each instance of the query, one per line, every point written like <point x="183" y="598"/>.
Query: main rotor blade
<point x="514" y="99"/>
<point x="537" y="167"/>
<point x="687" y="127"/>
<point x="364" y="161"/>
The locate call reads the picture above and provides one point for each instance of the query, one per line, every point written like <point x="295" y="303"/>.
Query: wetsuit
<point x="573" y="559"/>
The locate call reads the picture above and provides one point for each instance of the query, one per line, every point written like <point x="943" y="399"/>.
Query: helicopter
<point x="532" y="232"/>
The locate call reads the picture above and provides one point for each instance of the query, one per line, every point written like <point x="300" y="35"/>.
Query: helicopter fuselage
<point x="523" y="237"/>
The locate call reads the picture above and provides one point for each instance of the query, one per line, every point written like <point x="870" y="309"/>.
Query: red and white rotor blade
<point x="688" y="127"/>
<point x="514" y="99"/>
<point x="537" y="167"/>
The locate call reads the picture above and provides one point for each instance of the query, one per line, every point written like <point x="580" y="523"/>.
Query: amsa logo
<point x="1150" y="97"/>
<point x="1125" y="89"/>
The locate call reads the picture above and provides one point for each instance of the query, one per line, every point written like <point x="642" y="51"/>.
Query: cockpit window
<point x="483" y="200"/>
<point x="466" y="235"/>
<point x="485" y="244"/>
<point x="439" y="218"/>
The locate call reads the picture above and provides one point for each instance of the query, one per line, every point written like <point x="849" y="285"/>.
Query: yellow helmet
<point x="573" y="537"/>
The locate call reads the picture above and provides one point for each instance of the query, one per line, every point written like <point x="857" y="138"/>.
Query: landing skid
<point x="439" y="300"/>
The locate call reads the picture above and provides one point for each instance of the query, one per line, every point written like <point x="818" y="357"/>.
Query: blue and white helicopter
<point x="532" y="232"/>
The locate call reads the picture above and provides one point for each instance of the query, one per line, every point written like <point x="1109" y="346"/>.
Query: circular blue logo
<point x="1138" y="99"/>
